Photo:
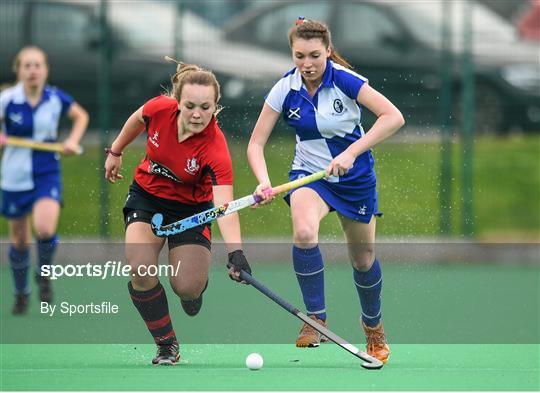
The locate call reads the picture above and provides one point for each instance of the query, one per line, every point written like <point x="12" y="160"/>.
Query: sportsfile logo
<point x="109" y="269"/>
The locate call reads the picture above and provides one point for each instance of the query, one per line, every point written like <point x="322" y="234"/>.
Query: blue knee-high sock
<point x="20" y="262"/>
<point x="309" y="268"/>
<point x="368" y="285"/>
<point x="46" y="249"/>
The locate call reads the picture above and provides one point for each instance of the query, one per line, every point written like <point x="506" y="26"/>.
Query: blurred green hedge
<point x="506" y="190"/>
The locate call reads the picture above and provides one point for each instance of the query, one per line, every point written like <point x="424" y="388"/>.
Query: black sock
<point x="154" y="310"/>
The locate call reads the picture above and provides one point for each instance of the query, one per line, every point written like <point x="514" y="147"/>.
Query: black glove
<point x="238" y="261"/>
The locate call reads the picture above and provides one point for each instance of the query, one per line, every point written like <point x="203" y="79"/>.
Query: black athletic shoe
<point x="167" y="354"/>
<point x="45" y="288"/>
<point x="192" y="307"/>
<point x="21" y="304"/>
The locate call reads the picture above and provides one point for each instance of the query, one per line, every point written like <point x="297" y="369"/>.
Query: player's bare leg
<point x="142" y="249"/>
<point x="45" y="216"/>
<point x="192" y="264"/>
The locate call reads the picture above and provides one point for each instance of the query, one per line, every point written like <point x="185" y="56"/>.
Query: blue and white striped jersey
<point x="20" y="166"/>
<point x="326" y="124"/>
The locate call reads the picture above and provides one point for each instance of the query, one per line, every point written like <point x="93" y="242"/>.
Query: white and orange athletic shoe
<point x="376" y="343"/>
<point x="309" y="337"/>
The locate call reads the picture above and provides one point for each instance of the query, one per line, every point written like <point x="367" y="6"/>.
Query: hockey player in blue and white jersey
<point x="322" y="99"/>
<point x="30" y="179"/>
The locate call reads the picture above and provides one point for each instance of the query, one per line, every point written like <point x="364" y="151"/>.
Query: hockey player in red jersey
<point x="187" y="167"/>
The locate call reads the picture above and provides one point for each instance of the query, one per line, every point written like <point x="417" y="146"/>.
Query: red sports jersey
<point x="181" y="171"/>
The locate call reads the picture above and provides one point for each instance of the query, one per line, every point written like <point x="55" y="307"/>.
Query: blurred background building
<point x="458" y="70"/>
<point x="396" y="44"/>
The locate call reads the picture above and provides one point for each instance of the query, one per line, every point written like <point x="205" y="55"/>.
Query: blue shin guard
<point x="46" y="249"/>
<point x="19" y="261"/>
<point x="309" y="268"/>
<point x="368" y="285"/>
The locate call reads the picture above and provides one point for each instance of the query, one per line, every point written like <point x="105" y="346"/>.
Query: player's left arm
<point x="389" y="120"/>
<point x="79" y="117"/>
<point x="229" y="226"/>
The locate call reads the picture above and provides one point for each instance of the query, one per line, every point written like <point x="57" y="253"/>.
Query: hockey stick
<point x="223" y="210"/>
<point x="369" y="363"/>
<point x="37" y="145"/>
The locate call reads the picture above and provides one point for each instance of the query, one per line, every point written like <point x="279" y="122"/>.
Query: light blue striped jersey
<point x="326" y="124"/>
<point x="20" y="166"/>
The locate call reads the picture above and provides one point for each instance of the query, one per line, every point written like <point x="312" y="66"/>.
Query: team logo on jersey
<point x="338" y="105"/>
<point x="158" y="169"/>
<point x="294" y="114"/>
<point x="16" y="118"/>
<point x="191" y="166"/>
<point x="154" y="139"/>
<point x="362" y="210"/>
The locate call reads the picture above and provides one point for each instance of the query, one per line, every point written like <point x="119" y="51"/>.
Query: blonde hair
<point x="193" y="74"/>
<point x="17" y="60"/>
<point x="308" y="28"/>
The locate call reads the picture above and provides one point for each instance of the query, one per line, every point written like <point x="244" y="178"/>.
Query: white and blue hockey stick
<point x="225" y="209"/>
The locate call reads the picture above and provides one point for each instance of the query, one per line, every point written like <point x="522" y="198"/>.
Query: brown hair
<point x="17" y="60"/>
<point x="192" y="74"/>
<point x="308" y="29"/>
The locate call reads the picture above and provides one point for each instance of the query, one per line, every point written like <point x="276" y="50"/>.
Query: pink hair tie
<point x="300" y="20"/>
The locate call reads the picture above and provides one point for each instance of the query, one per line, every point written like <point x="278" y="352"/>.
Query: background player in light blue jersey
<point x="322" y="99"/>
<point x="30" y="179"/>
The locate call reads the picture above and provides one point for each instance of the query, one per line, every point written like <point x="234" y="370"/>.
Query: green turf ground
<point x="221" y="367"/>
<point x="441" y="304"/>
<point x="448" y="326"/>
